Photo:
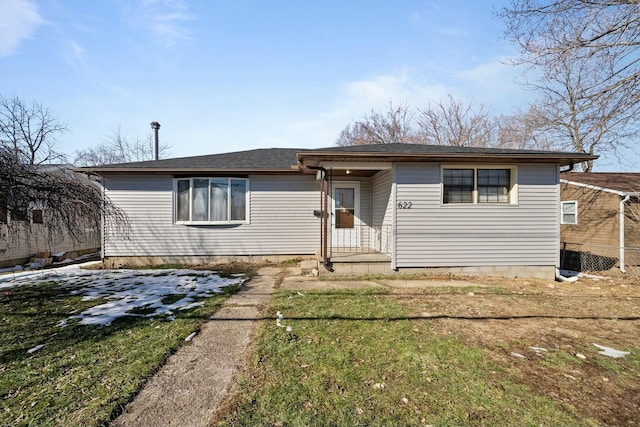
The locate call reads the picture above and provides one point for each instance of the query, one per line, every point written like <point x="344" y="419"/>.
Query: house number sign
<point x="404" y="205"/>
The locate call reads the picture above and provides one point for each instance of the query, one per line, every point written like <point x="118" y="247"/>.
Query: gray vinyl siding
<point x="280" y="210"/>
<point x="20" y="243"/>
<point x="431" y="234"/>
<point x="382" y="208"/>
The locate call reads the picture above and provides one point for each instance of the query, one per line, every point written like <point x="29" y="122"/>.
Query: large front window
<point x="477" y="185"/>
<point x="211" y="200"/>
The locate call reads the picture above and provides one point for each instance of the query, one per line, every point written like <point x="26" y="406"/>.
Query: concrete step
<point x="308" y="265"/>
<point x="348" y="268"/>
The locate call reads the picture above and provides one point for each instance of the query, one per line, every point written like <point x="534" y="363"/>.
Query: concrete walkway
<point x="190" y="386"/>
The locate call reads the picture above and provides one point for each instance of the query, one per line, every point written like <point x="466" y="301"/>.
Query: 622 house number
<point x="404" y="205"/>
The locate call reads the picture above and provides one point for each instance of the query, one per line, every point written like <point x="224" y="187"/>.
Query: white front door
<point x="345" y="214"/>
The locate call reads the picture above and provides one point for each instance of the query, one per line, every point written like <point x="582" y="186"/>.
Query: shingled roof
<point x="398" y="148"/>
<point x="285" y="159"/>
<point x="278" y="159"/>
<point x="626" y="182"/>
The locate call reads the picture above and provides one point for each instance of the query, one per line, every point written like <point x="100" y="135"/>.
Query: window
<point x="211" y="200"/>
<point x="478" y="185"/>
<point x="36" y="216"/>
<point x="458" y="185"/>
<point x="4" y="211"/>
<point x="19" y="213"/>
<point x="569" y="212"/>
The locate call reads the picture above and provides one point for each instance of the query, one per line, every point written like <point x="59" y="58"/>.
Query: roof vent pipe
<point x="154" y="135"/>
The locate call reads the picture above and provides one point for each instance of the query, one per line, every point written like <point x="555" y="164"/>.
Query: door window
<point x="345" y="208"/>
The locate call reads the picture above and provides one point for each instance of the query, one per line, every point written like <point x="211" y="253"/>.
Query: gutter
<point x="564" y="159"/>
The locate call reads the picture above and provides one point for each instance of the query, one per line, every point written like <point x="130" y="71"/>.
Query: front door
<point x="345" y="224"/>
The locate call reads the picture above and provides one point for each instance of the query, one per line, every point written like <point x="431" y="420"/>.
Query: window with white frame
<point x="478" y="185"/>
<point x="211" y="200"/>
<point x="569" y="212"/>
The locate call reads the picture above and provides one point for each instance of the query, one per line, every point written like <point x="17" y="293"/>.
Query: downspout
<point x="622" y="202"/>
<point x="325" y="215"/>
<point x="569" y="169"/>
<point x="560" y="277"/>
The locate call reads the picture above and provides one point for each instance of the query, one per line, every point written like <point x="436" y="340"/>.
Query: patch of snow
<point x="538" y="349"/>
<point x="571" y="273"/>
<point x="611" y="352"/>
<point x="10" y="280"/>
<point x="36" y="348"/>
<point x="581" y="356"/>
<point x="518" y="355"/>
<point x="128" y="291"/>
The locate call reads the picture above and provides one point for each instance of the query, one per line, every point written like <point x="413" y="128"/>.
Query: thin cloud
<point x="356" y="99"/>
<point x="19" y="19"/>
<point x="167" y="20"/>
<point x="76" y="56"/>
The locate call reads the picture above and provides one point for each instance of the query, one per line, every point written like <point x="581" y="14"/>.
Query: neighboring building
<point x="600" y="214"/>
<point x="26" y="234"/>
<point x="466" y="210"/>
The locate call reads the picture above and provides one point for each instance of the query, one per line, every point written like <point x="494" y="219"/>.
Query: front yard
<point x="74" y="349"/>
<point x="512" y="352"/>
<point x="77" y="345"/>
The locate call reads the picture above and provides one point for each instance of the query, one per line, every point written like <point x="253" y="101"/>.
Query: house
<point x="600" y="225"/>
<point x="383" y="208"/>
<point x="29" y="233"/>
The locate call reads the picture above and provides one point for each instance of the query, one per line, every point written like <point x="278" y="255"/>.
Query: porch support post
<point x="324" y="211"/>
<point x="325" y="220"/>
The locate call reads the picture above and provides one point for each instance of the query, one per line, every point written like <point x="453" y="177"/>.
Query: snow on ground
<point x="128" y="292"/>
<point x="611" y="352"/>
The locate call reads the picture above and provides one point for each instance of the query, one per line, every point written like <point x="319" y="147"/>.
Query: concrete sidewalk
<point x="190" y="386"/>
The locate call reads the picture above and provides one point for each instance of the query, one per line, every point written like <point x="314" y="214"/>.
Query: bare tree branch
<point x="458" y="124"/>
<point x="72" y="203"/>
<point x="586" y="58"/>
<point x="30" y="131"/>
<point x="392" y="126"/>
<point x="117" y="149"/>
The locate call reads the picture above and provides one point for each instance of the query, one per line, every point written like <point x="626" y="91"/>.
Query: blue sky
<point x="236" y="74"/>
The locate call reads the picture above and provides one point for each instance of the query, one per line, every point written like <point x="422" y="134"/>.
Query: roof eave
<point x="600" y="188"/>
<point x="171" y="171"/>
<point x="562" y="160"/>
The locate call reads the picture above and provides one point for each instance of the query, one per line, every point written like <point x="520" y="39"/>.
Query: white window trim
<point x="513" y="191"/>
<point x="575" y="214"/>
<point x="230" y="222"/>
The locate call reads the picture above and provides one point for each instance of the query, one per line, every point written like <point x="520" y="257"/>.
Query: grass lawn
<point x="361" y="358"/>
<point x="84" y="374"/>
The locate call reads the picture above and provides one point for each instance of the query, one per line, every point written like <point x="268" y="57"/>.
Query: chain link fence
<point x="598" y="258"/>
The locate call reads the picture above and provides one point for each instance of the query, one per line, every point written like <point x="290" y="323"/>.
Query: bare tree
<point x="29" y="131"/>
<point x="457" y="123"/>
<point x="391" y="126"/>
<point x="72" y="203"/>
<point x="586" y="57"/>
<point x="451" y="122"/>
<point x="118" y="149"/>
<point x="525" y="130"/>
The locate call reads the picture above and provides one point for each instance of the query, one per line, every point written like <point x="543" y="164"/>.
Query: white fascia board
<point x="595" y="187"/>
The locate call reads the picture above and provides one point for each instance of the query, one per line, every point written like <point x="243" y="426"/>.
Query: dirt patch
<point x="542" y="334"/>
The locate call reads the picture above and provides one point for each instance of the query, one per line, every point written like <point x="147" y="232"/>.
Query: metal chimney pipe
<point x="154" y="131"/>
